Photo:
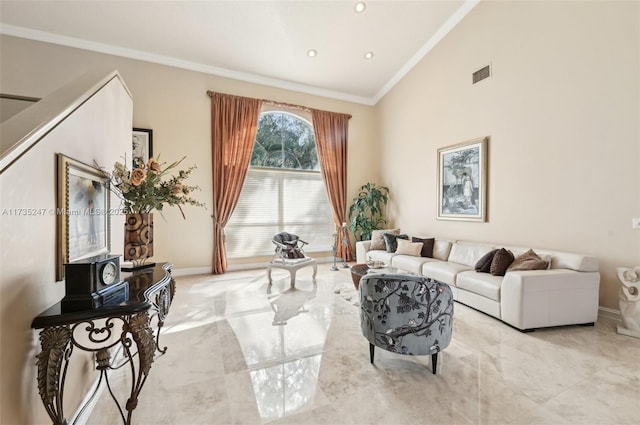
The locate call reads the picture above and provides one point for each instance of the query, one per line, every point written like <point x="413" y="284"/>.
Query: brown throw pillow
<point x="377" y="240"/>
<point x="427" y="246"/>
<point x="528" y="261"/>
<point x="501" y="262"/>
<point x="484" y="264"/>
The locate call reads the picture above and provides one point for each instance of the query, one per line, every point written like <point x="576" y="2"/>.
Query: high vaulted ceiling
<point x="259" y="41"/>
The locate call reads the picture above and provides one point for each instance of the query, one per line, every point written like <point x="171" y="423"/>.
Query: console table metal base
<point x="129" y="326"/>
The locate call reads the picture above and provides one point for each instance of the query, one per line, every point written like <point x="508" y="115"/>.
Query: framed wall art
<point x="142" y="145"/>
<point x="83" y="226"/>
<point x="462" y="181"/>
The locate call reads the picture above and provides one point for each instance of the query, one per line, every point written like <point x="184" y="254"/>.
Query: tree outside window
<point x="284" y="141"/>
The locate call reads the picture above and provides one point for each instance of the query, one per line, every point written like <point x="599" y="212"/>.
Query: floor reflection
<point x="283" y="345"/>
<point x="283" y="389"/>
<point x="290" y="303"/>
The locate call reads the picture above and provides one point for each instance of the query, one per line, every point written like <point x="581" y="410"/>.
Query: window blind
<point x="274" y="201"/>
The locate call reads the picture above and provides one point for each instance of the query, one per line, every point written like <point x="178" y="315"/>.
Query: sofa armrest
<point x="543" y="298"/>
<point x="362" y="247"/>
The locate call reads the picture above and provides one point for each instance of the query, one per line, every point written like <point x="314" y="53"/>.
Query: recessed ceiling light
<point x="360" y="7"/>
<point x="368" y="55"/>
<point x="312" y="53"/>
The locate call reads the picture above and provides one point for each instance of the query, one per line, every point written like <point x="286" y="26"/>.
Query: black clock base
<point x="113" y="294"/>
<point x="132" y="268"/>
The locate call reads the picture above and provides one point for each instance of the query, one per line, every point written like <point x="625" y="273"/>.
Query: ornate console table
<point x="129" y="325"/>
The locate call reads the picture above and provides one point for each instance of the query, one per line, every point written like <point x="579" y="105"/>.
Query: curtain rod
<point x="282" y="104"/>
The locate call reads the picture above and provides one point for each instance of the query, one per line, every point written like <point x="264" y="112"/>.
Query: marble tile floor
<point x="243" y="352"/>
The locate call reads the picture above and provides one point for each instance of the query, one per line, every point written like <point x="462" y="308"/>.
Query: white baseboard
<point x="85" y="408"/>
<point x="609" y="313"/>
<point x="83" y="412"/>
<point x="191" y="271"/>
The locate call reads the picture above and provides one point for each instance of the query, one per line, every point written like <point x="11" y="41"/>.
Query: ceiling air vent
<point x="481" y="74"/>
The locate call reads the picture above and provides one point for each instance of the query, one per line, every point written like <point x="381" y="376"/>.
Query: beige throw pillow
<point x="529" y="261"/>
<point x="377" y="240"/>
<point x="409" y="248"/>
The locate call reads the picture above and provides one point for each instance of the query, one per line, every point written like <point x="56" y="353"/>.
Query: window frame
<point x="306" y="117"/>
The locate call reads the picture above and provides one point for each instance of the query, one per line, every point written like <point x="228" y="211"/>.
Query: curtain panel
<point x="332" y="132"/>
<point x="234" y="123"/>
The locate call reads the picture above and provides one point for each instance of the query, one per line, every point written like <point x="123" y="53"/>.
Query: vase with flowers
<point x="148" y="186"/>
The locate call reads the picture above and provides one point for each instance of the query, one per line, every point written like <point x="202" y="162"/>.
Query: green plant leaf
<point x="367" y="210"/>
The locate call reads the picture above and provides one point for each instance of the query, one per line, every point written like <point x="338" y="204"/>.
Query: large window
<point x="283" y="190"/>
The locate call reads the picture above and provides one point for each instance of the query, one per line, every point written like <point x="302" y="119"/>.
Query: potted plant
<point x="145" y="188"/>
<point x="366" y="213"/>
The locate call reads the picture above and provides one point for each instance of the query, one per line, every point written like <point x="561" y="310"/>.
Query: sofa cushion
<point x="441" y="249"/>
<point x="484" y="264"/>
<point x="408" y="248"/>
<point x="529" y="261"/>
<point x="443" y="271"/>
<point x="427" y="246"/>
<point x="377" y="240"/>
<point x="410" y="263"/>
<point x="468" y="253"/>
<point x="501" y="261"/>
<point x="380" y="255"/>
<point x="390" y="241"/>
<point x="480" y="283"/>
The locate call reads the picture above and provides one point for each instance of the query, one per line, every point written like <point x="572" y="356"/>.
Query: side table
<point x="357" y="271"/>
<point x="292" y="267"/>
<point x="362" y="269"/>
<point x="150" y="294"/>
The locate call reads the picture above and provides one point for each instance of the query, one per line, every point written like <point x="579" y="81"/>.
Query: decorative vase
<point x="138" y="240"/>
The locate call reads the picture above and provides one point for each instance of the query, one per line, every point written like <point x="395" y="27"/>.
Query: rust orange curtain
<point x="332" y="131"/>
<point x="234" y="122"/>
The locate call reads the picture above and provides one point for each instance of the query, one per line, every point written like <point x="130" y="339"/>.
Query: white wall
<point x="562" y="110"/>
<point x="99" y="130"/>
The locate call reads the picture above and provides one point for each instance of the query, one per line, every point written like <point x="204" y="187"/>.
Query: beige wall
<point x="173" y="102"/>
<point x="562" y="110"/>
<point x="27" y="246"/>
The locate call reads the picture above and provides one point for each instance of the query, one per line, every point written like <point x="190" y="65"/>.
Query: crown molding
<point x="109" y="49"/>
<point x="453" y="20"/>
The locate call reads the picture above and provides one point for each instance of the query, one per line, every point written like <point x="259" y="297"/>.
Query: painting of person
<point x="467" y="189"/>
<point x="93" y="235"/>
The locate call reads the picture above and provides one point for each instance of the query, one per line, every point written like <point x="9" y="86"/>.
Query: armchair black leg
<point x="371" y="351"/>
<point x="434" y="362"/>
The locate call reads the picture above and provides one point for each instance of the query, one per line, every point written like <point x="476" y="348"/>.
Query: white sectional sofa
<point x="564" y="294"/>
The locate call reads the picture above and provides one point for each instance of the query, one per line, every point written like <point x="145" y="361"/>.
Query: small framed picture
<point x="142" y="145"/>
<point x="462" y="181"/>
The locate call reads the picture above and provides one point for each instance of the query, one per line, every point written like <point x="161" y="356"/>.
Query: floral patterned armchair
<point x="406" y="314"/>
